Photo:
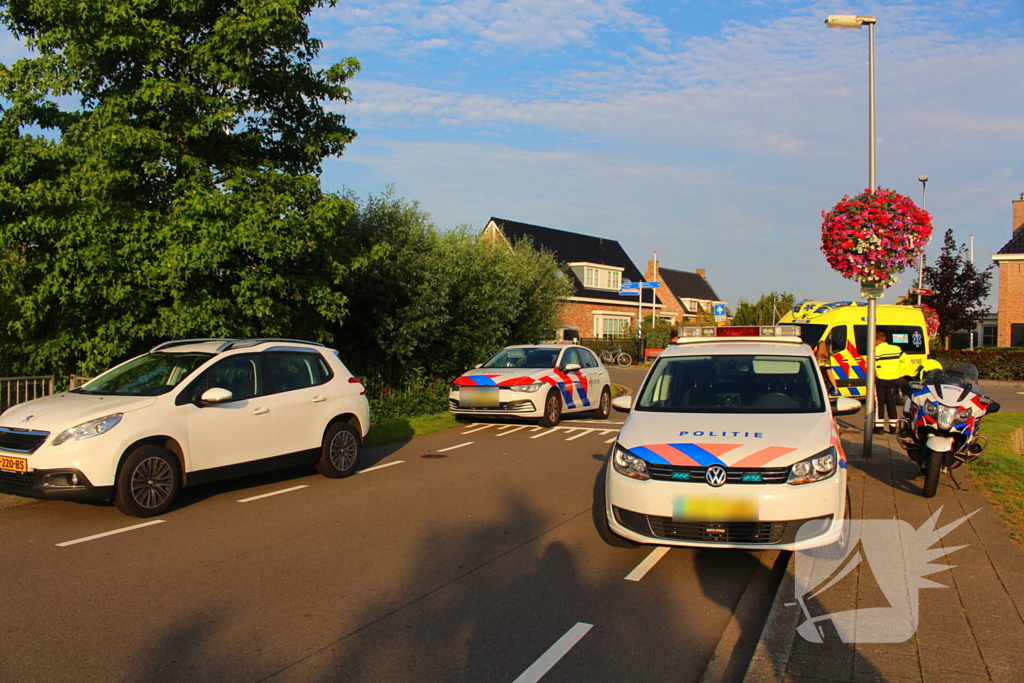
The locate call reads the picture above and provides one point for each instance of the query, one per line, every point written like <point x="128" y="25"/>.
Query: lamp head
<point x="923" y="178"/>
<point x="847" y="20"/>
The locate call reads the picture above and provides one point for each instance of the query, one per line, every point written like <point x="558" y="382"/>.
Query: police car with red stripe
<point x="539" y="381"/>
<point x="730" y="442"/>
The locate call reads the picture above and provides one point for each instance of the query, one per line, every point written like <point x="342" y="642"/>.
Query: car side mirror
<point x="215" y="396"/>
<point x="572" y="367"/>
<point x="623" y="404"/>
<point x="846" y="406"/>
<point x="478" y="366"/>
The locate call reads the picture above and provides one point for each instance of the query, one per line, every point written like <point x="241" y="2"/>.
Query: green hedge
<point x="421" y="395"/>
<point x="993" y="363"/>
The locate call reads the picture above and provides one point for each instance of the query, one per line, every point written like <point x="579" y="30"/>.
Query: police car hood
<point x="735" y="440"/>
<point x="504" y="377"/>
<point x="62" y="411"/>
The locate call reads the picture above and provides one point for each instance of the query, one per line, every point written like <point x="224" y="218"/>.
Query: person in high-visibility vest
<point x="888" y="369"/>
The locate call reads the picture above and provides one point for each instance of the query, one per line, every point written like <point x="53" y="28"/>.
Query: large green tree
<point x="767" y="310"/>
<point x="159" y="165"/>
<point x="958" y="289"/>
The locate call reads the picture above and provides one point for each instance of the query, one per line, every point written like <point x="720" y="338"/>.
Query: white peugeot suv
<point x="187" y="412"/>
<point x="731" y="442"/>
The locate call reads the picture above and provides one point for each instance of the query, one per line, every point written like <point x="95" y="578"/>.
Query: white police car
<point x="731" y="443"/>
<point x="540" y="381"/>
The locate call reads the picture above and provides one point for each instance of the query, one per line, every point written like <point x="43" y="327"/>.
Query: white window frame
<point x="623" y="322"/>
<point x="599" y="276"/>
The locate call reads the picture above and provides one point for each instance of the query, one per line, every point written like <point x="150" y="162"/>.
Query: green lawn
<point x="999" y="472"/>
<point x="402" y="428"/>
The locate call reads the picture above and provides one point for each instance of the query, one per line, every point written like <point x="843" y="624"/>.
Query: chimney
<point x="1018" y="214"/>
<point x="703" y="273"/>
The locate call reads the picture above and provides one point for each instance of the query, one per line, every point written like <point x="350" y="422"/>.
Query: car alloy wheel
<point x="344" y="450"/>
<point x="152" y="482"/>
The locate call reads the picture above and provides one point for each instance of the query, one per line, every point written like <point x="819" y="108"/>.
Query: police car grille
<point x="22" y="479"/>
<point x="21" y="441"/>
<point x="733" y="475"/>
<point x="718" y="532"/>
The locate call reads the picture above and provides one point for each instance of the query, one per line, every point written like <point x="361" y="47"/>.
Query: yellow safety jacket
<point x="887" y="361"/>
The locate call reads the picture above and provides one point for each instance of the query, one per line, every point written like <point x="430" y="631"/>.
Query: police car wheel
<point x="552" y="410"/>
<point x="604" y="408"/>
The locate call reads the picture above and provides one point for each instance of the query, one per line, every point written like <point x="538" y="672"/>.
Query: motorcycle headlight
<point x="526" y="388"/>
<point x="628" y="464"/>
<point x="89" y="429"/>
<point x="946" y="416"/>
<point x="815" y="468"/>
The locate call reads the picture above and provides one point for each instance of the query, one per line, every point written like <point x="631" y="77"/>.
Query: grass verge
<point x="999" y="472"/>
<point x="402" y="428"/>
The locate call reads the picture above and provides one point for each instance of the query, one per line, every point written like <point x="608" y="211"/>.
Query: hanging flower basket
<point x="931" y="319"/>
<point x="874" y="236"/>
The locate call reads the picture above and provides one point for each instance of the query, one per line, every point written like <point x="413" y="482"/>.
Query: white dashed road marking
<point x="110" y="533"/>
<point x="513" y="431"/>
<point x="477" y="429"/>
<point x="452" y="448"/>
<point x="550" y="431"/>
<point x="583" y="433"/>
<point x="554" y="653"/>
<point x="612" y="440"/>
<point x="380" y="467"/>
<point x="274" y="493"/>
<point x="649" y="561"/>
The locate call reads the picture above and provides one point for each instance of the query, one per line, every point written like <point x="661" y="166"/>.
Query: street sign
<point x="629" y="285"/>
<point x="650" y="285"/>
<point x="719" y="313"/>
<point x="923" y="291"/>
<point x="629" y="292"/>
<point x="869" y="292"/>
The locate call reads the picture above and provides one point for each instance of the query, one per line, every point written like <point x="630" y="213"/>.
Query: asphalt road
<point x="465" y="567"/>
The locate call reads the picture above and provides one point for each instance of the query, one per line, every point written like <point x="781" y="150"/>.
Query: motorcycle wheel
<point x="932" y="471"/>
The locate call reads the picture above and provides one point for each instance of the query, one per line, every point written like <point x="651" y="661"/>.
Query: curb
<point x="774" y="647"/>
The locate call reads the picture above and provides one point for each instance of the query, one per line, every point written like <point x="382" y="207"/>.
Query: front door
<point x="234" y="432"/>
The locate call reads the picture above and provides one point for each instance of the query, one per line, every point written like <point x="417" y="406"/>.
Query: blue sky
<point x="713" y="132"/>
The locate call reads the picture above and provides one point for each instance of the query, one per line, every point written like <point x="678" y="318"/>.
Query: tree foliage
<point x="159" y="165"/>
<point x="767" y="310"/>
<point x="423" y="303"/>
<point x="958" y="288"/>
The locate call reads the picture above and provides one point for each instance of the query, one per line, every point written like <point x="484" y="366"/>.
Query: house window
<point x="592" y="277"/>
<point x="611" y="326"/>
<point x="614" y="279"/>
<point x="989" y="335"/>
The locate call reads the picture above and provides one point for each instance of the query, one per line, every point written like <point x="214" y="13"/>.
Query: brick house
<point x="597" y="268"/>
<point x="685" y="294"/>
<point x="1010" y="260"/>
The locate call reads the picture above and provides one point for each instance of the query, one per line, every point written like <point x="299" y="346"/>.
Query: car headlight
<point x="628" y="464"/>
<point x="89" y="429"/>
<point x="946" y="416"/>
<point x="815" y="468"/>
<point x="526" y="388"/>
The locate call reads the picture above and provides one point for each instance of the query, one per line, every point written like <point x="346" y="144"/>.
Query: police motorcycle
<point x="939" y="429"/>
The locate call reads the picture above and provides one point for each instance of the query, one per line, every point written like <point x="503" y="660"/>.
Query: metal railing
<point x="14" y="390"/>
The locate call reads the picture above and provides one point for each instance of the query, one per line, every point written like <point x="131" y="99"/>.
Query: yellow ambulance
<point x="842" y="326"/>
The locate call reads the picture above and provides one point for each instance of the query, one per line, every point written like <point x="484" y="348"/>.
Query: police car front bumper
<point x="644" y="511"/>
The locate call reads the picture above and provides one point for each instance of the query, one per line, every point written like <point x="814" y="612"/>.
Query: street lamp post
<point x="920" y="261"/>
<point x="870" y="293"/>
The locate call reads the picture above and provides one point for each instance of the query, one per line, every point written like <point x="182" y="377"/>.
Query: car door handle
<point x="261" y="411"/>
<point x="319" y="399"/>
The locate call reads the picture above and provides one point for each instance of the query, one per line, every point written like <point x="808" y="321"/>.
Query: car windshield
<point x="149" y="375"/>
<point x="733" y="384"/>
<point x="523" y="358"/>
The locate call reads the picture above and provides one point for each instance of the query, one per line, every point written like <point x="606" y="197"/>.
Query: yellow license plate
<point x="713" y="509"/>
<point x="13" y="464"/>
<point x="486" y="397"/>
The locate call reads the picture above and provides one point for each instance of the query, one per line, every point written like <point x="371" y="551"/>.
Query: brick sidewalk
<point x="971" y="631"/>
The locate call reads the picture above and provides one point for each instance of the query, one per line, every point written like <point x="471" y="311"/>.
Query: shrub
<point x="993" y="363"/>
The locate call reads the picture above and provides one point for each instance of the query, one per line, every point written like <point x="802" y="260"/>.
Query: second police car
<point x="537" y="381"/>
<point x="730" y="442"/>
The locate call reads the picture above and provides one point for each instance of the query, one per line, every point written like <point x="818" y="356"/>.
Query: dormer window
<point x="598" y="276"/>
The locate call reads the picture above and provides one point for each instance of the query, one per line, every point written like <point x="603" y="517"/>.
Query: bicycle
<point x="617" y="356"/>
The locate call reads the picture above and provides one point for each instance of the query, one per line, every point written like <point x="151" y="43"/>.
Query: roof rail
<point x="180" y="342"/>
<point x="236" y="343"/>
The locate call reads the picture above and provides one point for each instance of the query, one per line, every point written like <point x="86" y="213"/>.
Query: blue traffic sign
<point x="720" y="311"/>
<point x="630" y="285"/>
<point x="629" y="292"/>
<point x="650" y="285"/>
